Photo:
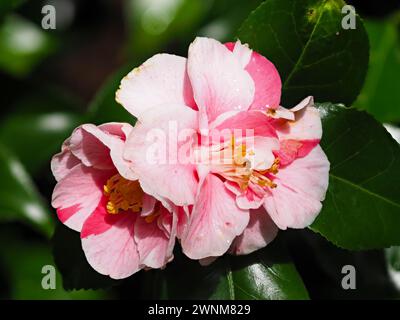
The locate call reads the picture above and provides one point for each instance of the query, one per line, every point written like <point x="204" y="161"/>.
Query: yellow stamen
<point x="234" y="165"/>
<point x="123" y="195"/>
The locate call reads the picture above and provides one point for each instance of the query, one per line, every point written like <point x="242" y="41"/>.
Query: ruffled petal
<point x="266" y="78"/>
<point x="215" y="221"/>
<point x="301" y="186"/>
<point x="78" y="194"/>
<point x="160" y="81"/>
<point x="219" y="82"/>
<point x="260" y="231"/>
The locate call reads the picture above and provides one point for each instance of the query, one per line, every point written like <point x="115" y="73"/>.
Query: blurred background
<point x="53" y="80"/>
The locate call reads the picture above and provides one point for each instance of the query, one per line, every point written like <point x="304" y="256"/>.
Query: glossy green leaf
<point x="320" y="264"/>
<point x="19" y="199"/>
<point x="35" y="138"/>
<point x="154" y="23"/>
<point x="362" y="205"/>
<point x="72" y="264"/>
<point x="24" y="265"/>
<point x="381" y="95"/>
<point x="104" y="108"/>
<point x="225" y="17"/>
<point x="38" y="125"/>
<point x="312" y="52"/>
<point x="265" y="274"/>
<point x="23" y="45"/>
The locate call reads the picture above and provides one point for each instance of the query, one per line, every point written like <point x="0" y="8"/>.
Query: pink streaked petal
<point x="148" y="205"/>
<point x="172" y="219"/>
<point x="260" y="152"/>
<point x="160" y="81"/>
<point x="281" y="113"/>
<point x="152" y="244"/>
<point x="183" y="214"/>
<point x="65" y="213"/>
<point x="114" y="252"/>
<point x="117" y="129"/>
<point x="62" y="163"/>
<point x="215" y="221"/>
<point x="301" y="186"/>
<point x="250" y="198"/>
<point x="306" y="102"/>
<point x="253" y="121"/>
<point x="266" y="78"/>
<point x="162" y="170"/>
<point x="89" y="149"/>
<point x="260" y="231"/>
<point x="113" y="135"/>
<point x="100" y="221"/>
<point x="290" y="150"/>
<point x="306" y="126"/>
<point x="82" y="190"/>
<point x="242" y="52"/>
<point x="219" y="82"/>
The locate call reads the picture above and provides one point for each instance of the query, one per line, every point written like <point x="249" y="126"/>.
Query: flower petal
<point x="153" y="244"/>
<point x="109" y="244"/>
<point x="306" y="126"/>
<point x="219" y="82"/>
<point x="215" y="221"/>
<point x="78" y="194"/>
<point x="251" y="198"/>
<point x="247" y="121"/>
<point x="154" y="151"/>
<point x="266" y="78"/>
<point x="260" y="231"/>
<point x="301" y="186"/>
<point x="62" y="163"/>
<point x="160" y="81"/>
<point x="88" y="148"/>
<point x="290" y="150"/>
<point x="114" y="135"/>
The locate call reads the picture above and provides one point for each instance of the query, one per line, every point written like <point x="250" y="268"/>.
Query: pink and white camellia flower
<point x="240" y="187"/>
<point x="122" y="228"/>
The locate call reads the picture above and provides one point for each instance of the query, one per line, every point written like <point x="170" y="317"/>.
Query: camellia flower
<point x="122" y="228"/>
<point x="240" y="189"/>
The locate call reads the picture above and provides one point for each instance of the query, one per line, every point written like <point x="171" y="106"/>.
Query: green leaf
<point x="23" y="259"/>
<point x="104" y="108"/>
<point x="23" y="45"/>
<point x="381" y="95"/>
<point x="265" y="274"/>
<point x="35" y="138"/>
<point x="226" y="17"/>
<point x="154" y="24"/>
<point x="320" y="264"/>
<point x="312" y="52"/>
<point x="72" y="264"/>
<point x="40" y="121"/>
<point x="362" y="205"/>
<point x="20" y="200"/>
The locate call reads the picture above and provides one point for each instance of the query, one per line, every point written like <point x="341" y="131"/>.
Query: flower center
<point x="237" y="167"/>
<point x="123" y="195"/>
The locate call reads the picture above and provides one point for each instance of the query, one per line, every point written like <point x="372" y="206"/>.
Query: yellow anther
<point x="123" y="195"/>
